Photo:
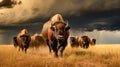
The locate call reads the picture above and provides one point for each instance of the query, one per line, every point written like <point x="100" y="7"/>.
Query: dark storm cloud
<point x="85" y="14"/>
<point x="33" y="28"/>
<point x="8" y="32"/>
<point x="45" y="8"/>
<point x="82" y="15"/>
<point x="100" y="20"/>
<point x="9" y="3"/>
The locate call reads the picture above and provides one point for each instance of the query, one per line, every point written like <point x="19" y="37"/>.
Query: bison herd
<point x="83" y="41"/>
<point x="54" y="34"/>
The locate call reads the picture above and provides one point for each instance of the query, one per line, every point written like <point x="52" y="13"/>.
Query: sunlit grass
<point x="95" y="56"/>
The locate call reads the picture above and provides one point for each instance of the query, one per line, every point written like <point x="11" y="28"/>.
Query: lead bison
<point x="22" y="40"/>
<point x="56" y="33"/>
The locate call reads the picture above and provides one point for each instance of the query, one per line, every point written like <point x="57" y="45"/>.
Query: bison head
<point x="24" y="39"/>
<point x="60" y="30"/>
<point x="72" y="40"/>
<point x="93" y="41"/>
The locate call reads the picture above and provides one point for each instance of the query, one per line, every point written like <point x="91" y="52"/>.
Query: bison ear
<point x="67" y="28"/>
<point x="52" y="28"/>
<point x="14" y="38"/>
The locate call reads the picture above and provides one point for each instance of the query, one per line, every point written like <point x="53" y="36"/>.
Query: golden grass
<point x="95" y="56"/>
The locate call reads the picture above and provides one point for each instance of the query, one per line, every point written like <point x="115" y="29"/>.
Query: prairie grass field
<point x="100" y="55"/>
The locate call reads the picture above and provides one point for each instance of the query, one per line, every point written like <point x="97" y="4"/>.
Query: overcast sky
<point x="96" y="18"/>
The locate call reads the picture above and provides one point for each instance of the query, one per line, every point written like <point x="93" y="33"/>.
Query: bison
<point x="86" y="41"/>
<point x="92" y="41"/>
<point x="83" y="41"/>
<point x="56" y="33"/>
<point x="36" y="41"/>
<point x="22" y="40"/>
<point x="74" y="41"/>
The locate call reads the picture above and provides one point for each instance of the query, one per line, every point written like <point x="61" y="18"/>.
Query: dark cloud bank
<point x="9" y="3"/>
<point x="83" y="15"/>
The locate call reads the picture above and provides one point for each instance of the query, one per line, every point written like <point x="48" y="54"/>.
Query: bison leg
<point x="61" y="51"/>
<point x="56" y="53"/>
<point x="63" y="48"/>
<point x="22" y="48"/>
<point x="26" y="47"/>
<point x="54" y="48"/>
<point x="19" y="49"/>
<point x="87" y="45"/>
<point x="25" y="50"/>
<point x="84" y="46"/>
<point x="48" y="45"/>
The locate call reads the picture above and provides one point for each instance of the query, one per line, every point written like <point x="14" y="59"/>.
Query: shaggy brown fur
<point x="22" y="40"/>
<point x="56" y="33"/>
<point x="36" y="41"/>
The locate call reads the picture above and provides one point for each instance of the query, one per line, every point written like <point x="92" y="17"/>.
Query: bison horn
<point x="67" y="24"/>
<point x="52" y="24"/>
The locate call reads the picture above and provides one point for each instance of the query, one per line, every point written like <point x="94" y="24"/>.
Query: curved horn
<point x="66" y="23"/>
<point x="52" y="24"/>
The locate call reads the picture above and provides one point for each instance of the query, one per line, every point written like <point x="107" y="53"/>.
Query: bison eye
<point x="62" y="29"/>
<point x="52" y="28"/>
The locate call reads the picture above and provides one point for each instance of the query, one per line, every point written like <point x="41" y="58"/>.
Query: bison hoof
<point x="56" y="55"/>
<point x="50" y="51"/>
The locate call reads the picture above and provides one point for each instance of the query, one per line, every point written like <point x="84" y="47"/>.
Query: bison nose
<point x="60" y="33"/>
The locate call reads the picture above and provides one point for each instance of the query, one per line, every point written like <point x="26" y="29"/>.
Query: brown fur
<point x="83" y="41"/>
<point x="22" y="40"/>
<point x="92" y="41"/>
<point x="50" y="32"/>
<point x="74" y="41"/>
<point x="53" y="40"/>
<point x="56" y="18"/>
<point x="36" y="41"/>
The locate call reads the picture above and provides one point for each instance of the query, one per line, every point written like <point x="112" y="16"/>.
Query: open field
<point x="95" y="56"/>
